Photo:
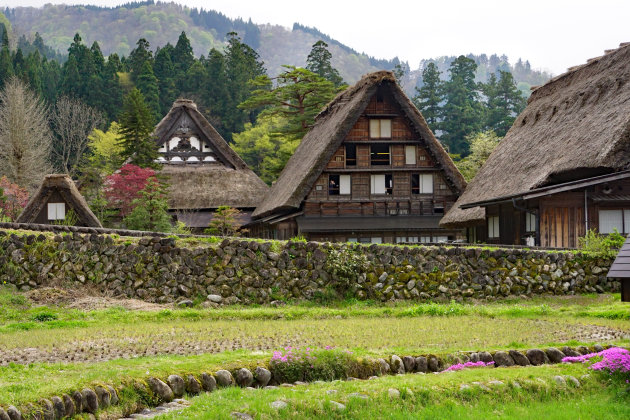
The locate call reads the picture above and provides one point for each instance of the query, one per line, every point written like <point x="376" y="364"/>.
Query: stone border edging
<point x="90" y="400"/>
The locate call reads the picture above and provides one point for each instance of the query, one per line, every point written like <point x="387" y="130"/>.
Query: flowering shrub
<point x="13" y="199"/>
<point x="460" y="366"/>
<point x="614" y="361"/>
<point x="124" y="186"/>
<point x="310" y="364"/>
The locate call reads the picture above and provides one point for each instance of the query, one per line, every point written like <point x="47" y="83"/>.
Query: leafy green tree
<point x="429" y="96"/>
<point x="136" y="126"/>
<point x="147" y="84"/>
<point x="263" y="149"/>
<point x="106" y="150"/>
<point x="318" y="61"/>
<point x="150" y="211"/>
<point x="224" y="222"/>
<point x="297" y="95"/>
<point x="504" y="102"/>
<point x="462" y="112"/>
<point x="481" y="145"/>
<point x="5" y="35"/>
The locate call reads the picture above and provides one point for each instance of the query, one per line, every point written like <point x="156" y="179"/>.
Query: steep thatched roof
<point x="330" y="129"/>
<point x="226" y="182"/>
<point x="64" y="185"/>
<point x="183" y="108"/>
<point x="211" y="186"/>
<point x="577" y="125"/>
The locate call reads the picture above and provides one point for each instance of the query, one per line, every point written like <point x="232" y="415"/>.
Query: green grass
<point x="120" y="344"/>
<point x="431" y="396"/>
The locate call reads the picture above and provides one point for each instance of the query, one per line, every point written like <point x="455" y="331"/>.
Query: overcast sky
<point x="551" y="34"/>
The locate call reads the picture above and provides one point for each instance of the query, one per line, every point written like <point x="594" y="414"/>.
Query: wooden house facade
<point x="58" y="201"/>
<point x="202" y="171"/>
<point x="370" y="171"/>
<point x="562" y="169"/>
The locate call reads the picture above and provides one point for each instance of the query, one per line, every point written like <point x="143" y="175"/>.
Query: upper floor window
<point x="351" y="154"/>
<point x="410" y="155"/>
<point x="422" y="183"/>
<point x="380" y="128"/>
<point x="379" y="154"/>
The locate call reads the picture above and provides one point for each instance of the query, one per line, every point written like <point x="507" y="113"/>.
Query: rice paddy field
<point x="53" y="341"/>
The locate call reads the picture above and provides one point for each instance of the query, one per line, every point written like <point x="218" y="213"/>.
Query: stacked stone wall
<point x="168" y="269"/>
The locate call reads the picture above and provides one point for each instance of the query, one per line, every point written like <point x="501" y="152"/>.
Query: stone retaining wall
<point x="167" y="269"/>
<point x="155" y="390"/>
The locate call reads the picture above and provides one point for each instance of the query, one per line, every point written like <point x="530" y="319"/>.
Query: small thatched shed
<point x="341" y="147"/>
<point x="576" y="127"/>
<point x="56" y="199"/>
<point x="203" y="172"/>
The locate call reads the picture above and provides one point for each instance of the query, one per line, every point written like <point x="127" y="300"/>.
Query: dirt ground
<point x="87" y="300"/>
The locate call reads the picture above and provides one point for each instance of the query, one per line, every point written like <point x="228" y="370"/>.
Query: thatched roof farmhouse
<point x="55" y="199"/>
<point x="575" y="129"/>
<point x="342" y="147"/>
<point x="203" y="171"/>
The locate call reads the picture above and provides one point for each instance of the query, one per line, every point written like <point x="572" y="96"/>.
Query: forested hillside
<point x="118" y="29"/>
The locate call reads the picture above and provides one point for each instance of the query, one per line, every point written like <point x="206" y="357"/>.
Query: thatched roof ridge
<point x="576" y="125"/>
<point x="210" y="186"/>
<point x="167" y="127"/>
<point x="331" y="126"/>
<point x="63" y="184"/>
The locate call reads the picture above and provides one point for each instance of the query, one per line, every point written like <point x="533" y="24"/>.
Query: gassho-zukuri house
<point x="370" y="170"/>
<point x="202" y="171"/>
<point x="57" y="200"/>
<point x="563" y="168"/>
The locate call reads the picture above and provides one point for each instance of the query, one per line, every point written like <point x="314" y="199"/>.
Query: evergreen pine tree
<point x="429" y="96"/>
<point x="297" y="95"/>
<point x="462" y="111"/>
<point x="318" y="61"/>
<point x="136" y="126"/>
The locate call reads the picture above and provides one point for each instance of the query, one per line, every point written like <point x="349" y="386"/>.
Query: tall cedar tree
<point x="183" y="56"/>
<point x="241" y="65"/>
<point x="164" y="70"/>
<point x="503" y="102"/>
<point x="298" y="95"/>
<point x="147" y="84"/>
<point x="136" y="125"/>
<point x="318" y="61"/>
<point x="462" y="112"/>
<point x="429" y="96"/>
<point x="138" y="57"/>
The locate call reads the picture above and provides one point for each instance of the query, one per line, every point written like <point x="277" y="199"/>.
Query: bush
<point x="346" y="264"/>
<point x="602" y="245"/>
<point x="311" y="364"/>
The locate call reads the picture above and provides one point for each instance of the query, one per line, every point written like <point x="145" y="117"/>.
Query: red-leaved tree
<point x="124" y="186"/>
<point x="15" y="199"/>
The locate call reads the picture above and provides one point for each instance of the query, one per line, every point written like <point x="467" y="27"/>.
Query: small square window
<point x="56" y="211"/>
<point x="338" y="158"/>
<point x="380" y="129"/>
<point x="319" y="187"/>
<point x="422" y="157"/>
